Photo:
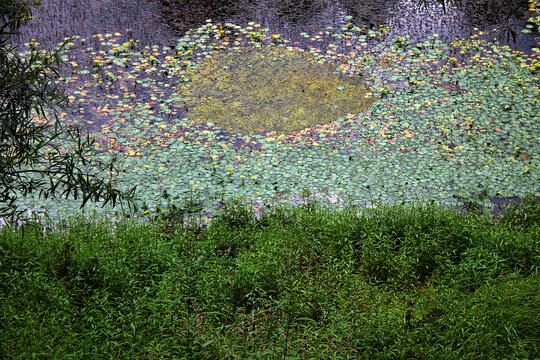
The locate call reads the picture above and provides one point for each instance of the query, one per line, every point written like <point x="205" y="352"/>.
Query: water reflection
<point x="56" y="19"/>
<point x="410" y="17"/>
<point x="162" y="21"/>
<point x="405" y="16"/>
<point x="285" y="17"/>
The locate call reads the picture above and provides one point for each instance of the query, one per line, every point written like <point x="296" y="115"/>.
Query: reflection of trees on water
<point x="367" y="12"/>
<point x="418" y="18"/>
<point x="57" y="19"/>
<point x="289" y="14"/>
<point x="505" y="15"/>
<point x="187" y="14"/>
<point x="453" y="18"/>
<point x="405" y="16"/>
<point x="282" y="15"/>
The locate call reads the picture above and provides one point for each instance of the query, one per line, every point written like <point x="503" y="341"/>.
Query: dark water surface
<point x="161" y="22"/>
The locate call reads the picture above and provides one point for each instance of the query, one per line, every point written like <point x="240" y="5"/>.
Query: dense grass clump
<point x="391" y="282"/>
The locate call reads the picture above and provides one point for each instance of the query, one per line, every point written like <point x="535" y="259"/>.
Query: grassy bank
<point x="299" y="283"/>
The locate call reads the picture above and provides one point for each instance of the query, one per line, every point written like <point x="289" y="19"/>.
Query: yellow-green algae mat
<point x="249" y="90"/>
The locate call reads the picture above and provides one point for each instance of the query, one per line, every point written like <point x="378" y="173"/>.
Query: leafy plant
<point x="416" y="281"/>
<point x="39" y="157"/>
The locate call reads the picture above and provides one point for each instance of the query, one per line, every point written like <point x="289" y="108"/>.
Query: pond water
<point x="412" y="17"/>
<point x="161" y="22"/>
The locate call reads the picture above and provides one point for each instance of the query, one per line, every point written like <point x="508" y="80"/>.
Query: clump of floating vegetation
<point x="271" y="89"/>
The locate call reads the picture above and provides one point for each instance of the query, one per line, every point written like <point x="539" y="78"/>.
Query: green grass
<point x="296" y="283"/>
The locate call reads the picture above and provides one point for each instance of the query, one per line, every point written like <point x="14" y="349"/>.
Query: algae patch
<point x="249" y="90"/>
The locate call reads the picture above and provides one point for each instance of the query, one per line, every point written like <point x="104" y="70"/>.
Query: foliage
<point x="387" y="283"/>
<point x="40" y="157"/>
